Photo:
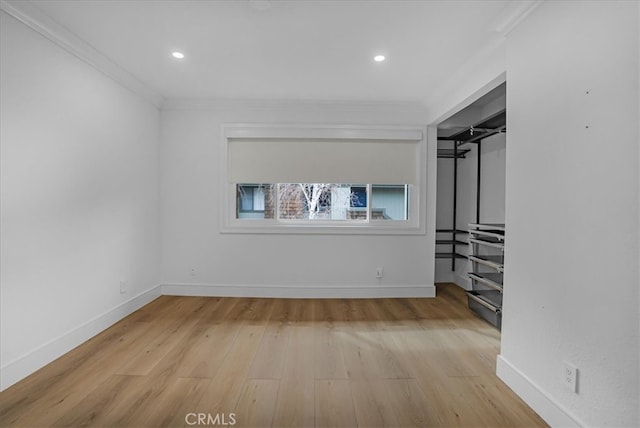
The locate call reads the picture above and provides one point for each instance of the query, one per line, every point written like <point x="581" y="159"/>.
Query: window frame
<point x="415" y="225"/>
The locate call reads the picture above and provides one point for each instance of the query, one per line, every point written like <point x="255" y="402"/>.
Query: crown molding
<point x="482" y="71"/>
<point x="287" y="104"/>
<point x="30" y="15"/>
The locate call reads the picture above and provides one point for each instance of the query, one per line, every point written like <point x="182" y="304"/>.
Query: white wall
<point x="80" y="200"/>
<point x="571" y="279"/>
<point x="263" y="264"/>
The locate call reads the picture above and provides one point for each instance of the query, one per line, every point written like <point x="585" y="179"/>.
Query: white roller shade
<point x="375" y="161"/>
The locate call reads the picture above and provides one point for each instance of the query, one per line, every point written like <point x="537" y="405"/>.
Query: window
<point x="323" y="179"/>
<point x="359" y="199"/>
<point x="321" y="202"/>
<point x="390" y="202"/>
<point x="250" y="201"/>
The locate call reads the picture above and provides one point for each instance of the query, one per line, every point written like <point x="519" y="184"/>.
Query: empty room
<point x="319" y="213"/>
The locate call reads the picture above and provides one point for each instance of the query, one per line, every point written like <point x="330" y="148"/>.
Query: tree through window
<point x="322" y="201"/>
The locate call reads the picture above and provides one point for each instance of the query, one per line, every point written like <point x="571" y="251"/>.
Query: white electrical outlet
<point x="123" y="286"/>
<point x="570" y="377"/>
<point x="379" y="272"/>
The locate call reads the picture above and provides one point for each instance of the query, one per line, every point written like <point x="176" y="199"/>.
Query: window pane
<point x="258" y="199"/>
<point x="255" y="201"/>
<point x="358" y="203"/>
<point x="246" y="204"/>
<point x="322" y="201"/>
<point x="389" y="202"/>
<point x="359" y="196"/>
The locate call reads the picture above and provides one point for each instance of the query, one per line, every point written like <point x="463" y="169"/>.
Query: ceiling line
<point x="34" y="18"/>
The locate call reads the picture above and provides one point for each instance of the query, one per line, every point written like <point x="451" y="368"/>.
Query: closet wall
<point x="492" y="189"/>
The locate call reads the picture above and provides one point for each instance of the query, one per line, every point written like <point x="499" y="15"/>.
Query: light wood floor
<point x="280" y="363"/>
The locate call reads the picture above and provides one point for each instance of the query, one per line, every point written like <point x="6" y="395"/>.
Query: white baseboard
<point x="291" y="291"/>
<point x="23" y="366"/>
<point x="553" y="413"/>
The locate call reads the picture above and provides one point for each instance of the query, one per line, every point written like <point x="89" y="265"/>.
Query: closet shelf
<point x="485" y="298"/>
<point x="486" y="307"/>
<point x="450" y="242"/>
<point x="488" y="242"/>
<point x="449" y="255"/>
<point x="453" y="241"/>
<point x="493" y="280"/>
<point x="494" y="262"/>
<point x="490" y="235"/>
<point x="491" y="298"/>
<point x="452" y="154"/>
<point x="483" y="226"/>
<point x="451" y="231"/>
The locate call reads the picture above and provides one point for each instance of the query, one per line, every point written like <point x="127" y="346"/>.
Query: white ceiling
<point x="295" y="50"/>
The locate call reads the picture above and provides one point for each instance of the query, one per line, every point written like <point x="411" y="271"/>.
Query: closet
<point x="470" y="232"/>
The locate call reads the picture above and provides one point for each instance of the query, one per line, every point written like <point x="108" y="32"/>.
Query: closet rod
<point x="480" y="137"/>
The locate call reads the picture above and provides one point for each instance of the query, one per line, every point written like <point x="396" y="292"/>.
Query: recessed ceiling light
<point x="177" y="55"/>
<point x="379" y="58"/>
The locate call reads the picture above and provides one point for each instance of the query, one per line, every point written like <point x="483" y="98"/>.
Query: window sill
<point x="323" y="228"/>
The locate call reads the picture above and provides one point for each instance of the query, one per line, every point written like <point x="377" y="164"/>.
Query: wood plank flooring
<point x="195" y="361"/>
